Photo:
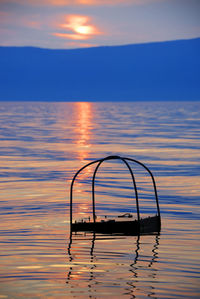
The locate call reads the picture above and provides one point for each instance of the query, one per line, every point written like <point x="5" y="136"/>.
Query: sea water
<point x="43" y="144"/>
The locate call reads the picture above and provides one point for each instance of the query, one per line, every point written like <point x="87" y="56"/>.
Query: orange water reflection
<point x="83" y="128"/>
<point x="83" y="133"/>
<point x="94" y="261"/>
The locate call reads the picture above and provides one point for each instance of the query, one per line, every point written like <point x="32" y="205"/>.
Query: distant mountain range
<point x="152" y="71"/>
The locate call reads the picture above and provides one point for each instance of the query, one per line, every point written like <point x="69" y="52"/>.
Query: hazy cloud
<point x="79" y="2"/>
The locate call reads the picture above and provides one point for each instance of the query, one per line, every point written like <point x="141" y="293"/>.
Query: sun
<point x="84" y="29"/>
<point x="80" y="27"/>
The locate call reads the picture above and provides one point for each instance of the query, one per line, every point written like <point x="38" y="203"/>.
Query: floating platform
<point x="123" y="224"/>
<point x="148" y="225"/>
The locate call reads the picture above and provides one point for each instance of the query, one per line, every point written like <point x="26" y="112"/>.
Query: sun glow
<point x="80" y="27"/>
<point x="84" y="29"/>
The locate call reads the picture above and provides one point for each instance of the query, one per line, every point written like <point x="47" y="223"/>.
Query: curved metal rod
<point x="72" y="184"/>
<point x="133" y="179"/>
<point x="153" y="180"/>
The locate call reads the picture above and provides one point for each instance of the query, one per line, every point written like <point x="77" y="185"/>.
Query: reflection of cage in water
<point x="124" y="223"/>
<point x="97" y="261"/>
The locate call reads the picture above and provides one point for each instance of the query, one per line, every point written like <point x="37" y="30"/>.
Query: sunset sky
<point x="88" y="23"/>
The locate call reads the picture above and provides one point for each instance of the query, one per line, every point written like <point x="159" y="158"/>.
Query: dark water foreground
<point x="42" y="146"/>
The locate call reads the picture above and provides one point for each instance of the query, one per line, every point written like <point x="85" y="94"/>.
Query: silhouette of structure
<point x="123" y="224"/>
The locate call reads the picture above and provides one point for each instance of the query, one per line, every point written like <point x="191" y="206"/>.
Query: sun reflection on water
<point x="83" y="135"/>
<point x="83" y="129"/>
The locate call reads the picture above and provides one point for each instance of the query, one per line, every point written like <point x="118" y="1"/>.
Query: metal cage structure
<point x="130" y="227"/>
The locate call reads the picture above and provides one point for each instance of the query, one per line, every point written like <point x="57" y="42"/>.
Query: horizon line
<point x="105" y="46"/>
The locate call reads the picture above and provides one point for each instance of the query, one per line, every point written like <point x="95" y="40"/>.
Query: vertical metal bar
<point x="71" y="188"/>
<point x="135" y="187"/>
<point x="93" y="195"/>
<point x="133" y="179"/>
<point x="153" y="180"/>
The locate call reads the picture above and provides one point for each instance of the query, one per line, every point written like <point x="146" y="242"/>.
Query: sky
<point x="69" y="24"/>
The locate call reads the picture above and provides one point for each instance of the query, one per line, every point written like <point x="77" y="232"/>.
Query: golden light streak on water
<point x="84" y="115"/>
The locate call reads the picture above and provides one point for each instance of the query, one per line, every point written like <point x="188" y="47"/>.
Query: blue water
<point x="43" y="144"/>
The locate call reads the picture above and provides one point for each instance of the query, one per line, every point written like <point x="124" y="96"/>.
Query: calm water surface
<point x="43" y="145"/>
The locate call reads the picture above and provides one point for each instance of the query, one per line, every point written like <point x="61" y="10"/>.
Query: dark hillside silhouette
<point x="154" y="71"/>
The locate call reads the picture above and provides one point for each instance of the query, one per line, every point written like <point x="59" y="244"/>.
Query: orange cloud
<point x="77" y="44"/>
<point x="80" y="27"/>
<point x="71" y="36"/>
<point x="81" y="2"/>
<point x="4" y="17"/>
<point x="113" y="2"/>
<point x="104" y="2"/>
<point x="19" y="20"/>
<point x="32" y="24"/>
